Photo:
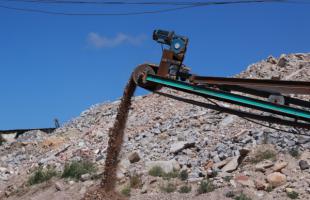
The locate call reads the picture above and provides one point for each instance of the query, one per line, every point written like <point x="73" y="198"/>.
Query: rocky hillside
<point x="170" y="146"/>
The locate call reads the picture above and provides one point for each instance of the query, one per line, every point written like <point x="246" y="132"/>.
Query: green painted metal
<point x="230" y="96"/>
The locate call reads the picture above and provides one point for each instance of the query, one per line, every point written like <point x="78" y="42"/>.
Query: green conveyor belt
<point x="229" y="96"/>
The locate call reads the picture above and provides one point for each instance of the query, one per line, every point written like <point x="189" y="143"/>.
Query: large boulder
<point x="260" y="184"/>
<point x="134" y="157"/>
<point x="179" y="146"/>
<point x="283" y="61"/>
<point x="244" y="181"/>
<point x="232" y="165"/>
<point x="262" y="166"/>
<point x="303" y="164"/>
<point x="276" y="179"/>
<point x="279" y="166"/>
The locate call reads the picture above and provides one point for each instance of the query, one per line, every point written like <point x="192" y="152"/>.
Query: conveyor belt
<point x="273" y="86"/>
<point x="260" y="93"/>
<point x="240" y="113"/>
<point x="232" y="98"/>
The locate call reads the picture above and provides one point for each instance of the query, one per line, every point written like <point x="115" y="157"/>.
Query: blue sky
<point x="57" y="66"/>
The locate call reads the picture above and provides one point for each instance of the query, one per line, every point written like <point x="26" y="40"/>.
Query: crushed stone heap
<point x="168" y="133"/>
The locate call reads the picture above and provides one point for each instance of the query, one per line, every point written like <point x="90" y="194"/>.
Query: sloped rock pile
<point x="166" y="131"/>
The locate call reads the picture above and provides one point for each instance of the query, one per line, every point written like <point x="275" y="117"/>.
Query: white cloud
<point x="101" y="41"/>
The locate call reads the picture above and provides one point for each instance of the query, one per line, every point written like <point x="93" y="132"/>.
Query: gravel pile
<point x="165" y="132"/>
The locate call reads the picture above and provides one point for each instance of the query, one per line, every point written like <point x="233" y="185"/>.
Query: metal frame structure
<point x="295" y="116"/>
<point x="289" y="111"/>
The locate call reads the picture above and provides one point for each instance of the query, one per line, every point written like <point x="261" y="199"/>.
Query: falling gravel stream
<point x="106" y="190"/>
<point x="116" y="138"/>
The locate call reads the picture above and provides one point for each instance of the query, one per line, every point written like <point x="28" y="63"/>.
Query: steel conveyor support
<point x="231" y="98"/>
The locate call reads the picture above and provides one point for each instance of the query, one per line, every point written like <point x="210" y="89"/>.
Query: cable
<point x="175" y="3"/>
<point x="107" y="2"/>
<point x="141" y="12"/>
<point x="95" y="14"/>
<point x="134" y="2"/>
